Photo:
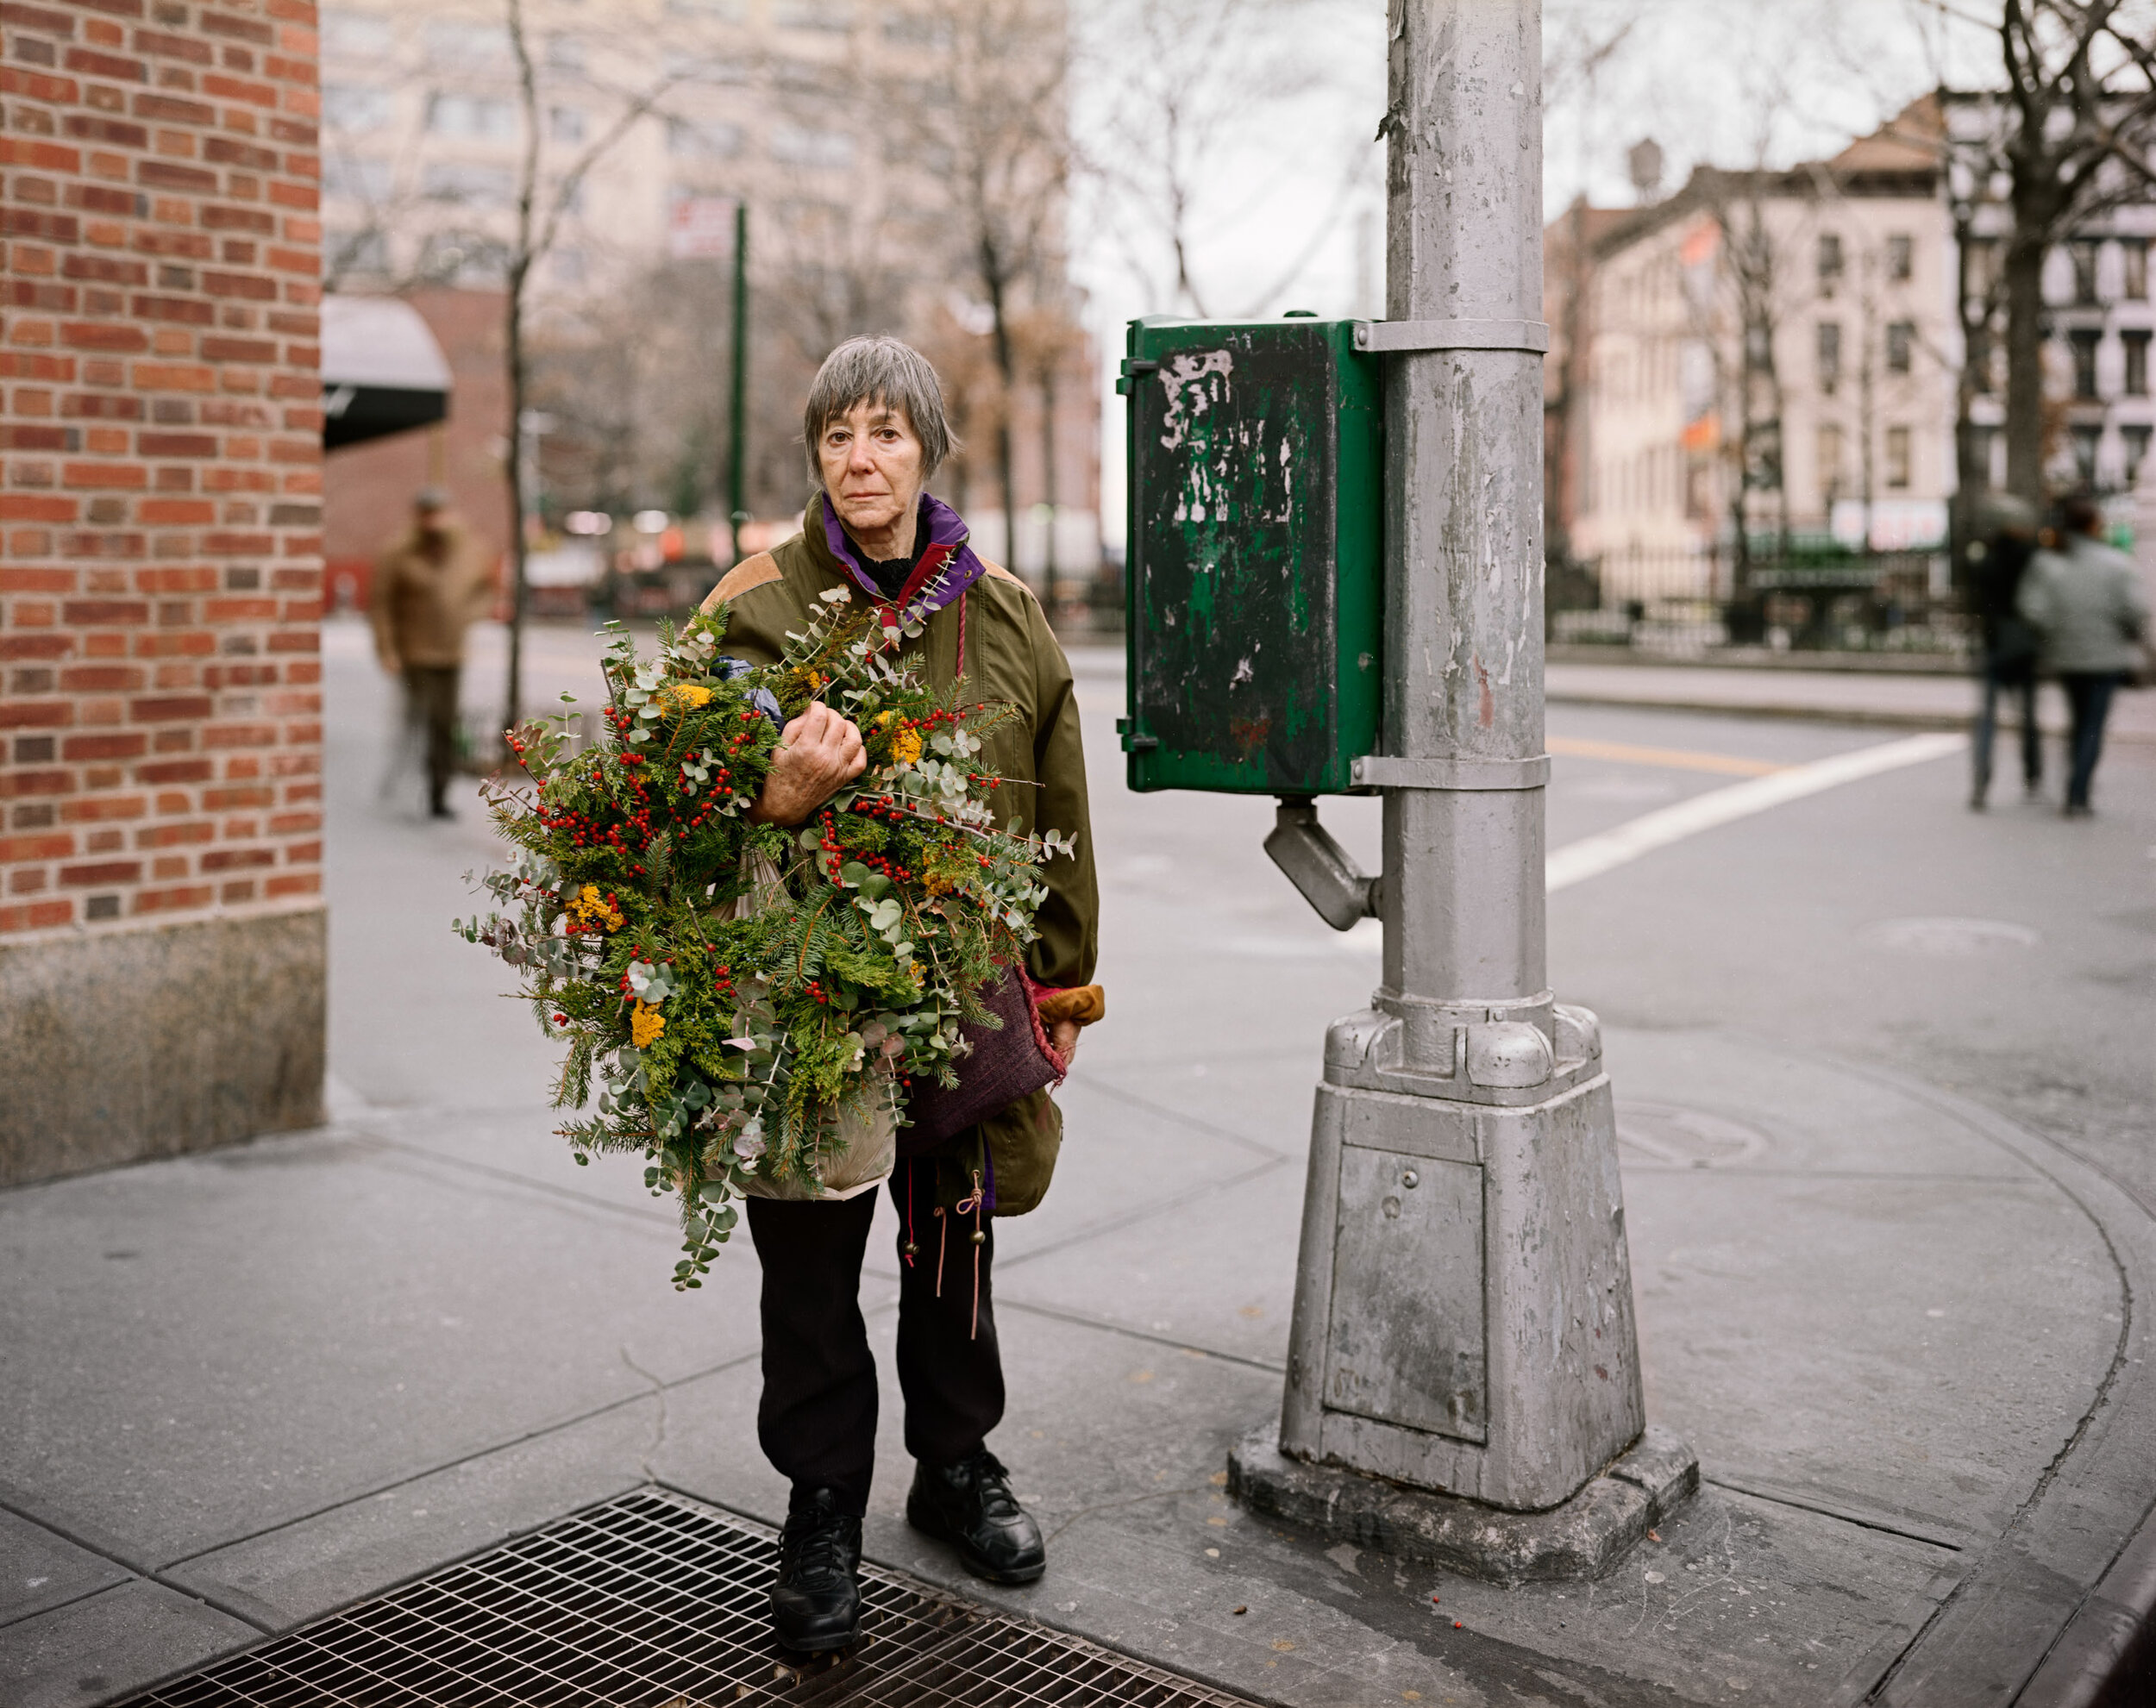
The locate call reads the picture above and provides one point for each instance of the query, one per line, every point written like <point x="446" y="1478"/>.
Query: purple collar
<point x="947" y="566"/>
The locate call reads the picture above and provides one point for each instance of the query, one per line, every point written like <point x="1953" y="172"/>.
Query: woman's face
<point x="872" y="467"/>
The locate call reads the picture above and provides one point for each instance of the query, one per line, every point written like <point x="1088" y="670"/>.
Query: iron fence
<point x="1686" y="601"/>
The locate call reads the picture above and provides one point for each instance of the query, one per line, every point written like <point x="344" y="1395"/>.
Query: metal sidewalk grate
<point x="658" y="1601"/>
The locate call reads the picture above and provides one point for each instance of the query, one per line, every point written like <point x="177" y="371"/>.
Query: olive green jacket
<point x="1011" y="658"/>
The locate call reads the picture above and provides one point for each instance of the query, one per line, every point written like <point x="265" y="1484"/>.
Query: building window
<point x="1829" y="263"/>
<point x="708" y="141"/>
<point x="471" y="185"/>
<point x="1897" y="459"/>
<point x="356" y="107"/>
<point x="2136" y="439"/>
<point x="2085" y="442"/>
<point x="815" y="14"/>
<point x="1900" y="256"/>
<point x="2135" y="251"/>
<point x="917" y="32"/>
<point x="356" y="176"/>
<point x="455" y="42"/>
<point x="474" y="116"/>
<point x="565" y="126"/>
<point x="794" y="147"/>
<point x="354" y="35"/>
<point x="2136" y="343"/>
<point x="1829" y="356"/>
<point x="466" y="257"/>
<point x="2083" y="250"/>
<point x="2084" y="340"/>
<point x="565" y="54"/>
<point x="1829" y="455"/>
<point x="1901" y="341"/>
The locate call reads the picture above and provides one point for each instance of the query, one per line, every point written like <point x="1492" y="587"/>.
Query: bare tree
<point x="1053" y="344"/>
<point x="1575" y="52"/>
<point x="2074" y="130"/>
<point x="634" y="379"/>
<point x="997" y="131"/>
<point x="540" y="207"/>
<point x="1751" y="263"/>
<point x="1189" y="81"/>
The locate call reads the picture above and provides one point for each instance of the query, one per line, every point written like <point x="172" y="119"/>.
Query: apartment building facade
<point x="1776" y="351"/>
<point x="1787" y="347"/>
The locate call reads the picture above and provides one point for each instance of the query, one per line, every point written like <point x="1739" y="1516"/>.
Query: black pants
<point x="2016" y="676"/>
<point x="2088" y="699"/>
<point x="817" y="1422"/>
<point x="431" y="703"/>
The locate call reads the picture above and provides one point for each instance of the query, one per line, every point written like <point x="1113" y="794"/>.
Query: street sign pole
<point x="1463" y="1314"/>
<point x="738" y="394"/>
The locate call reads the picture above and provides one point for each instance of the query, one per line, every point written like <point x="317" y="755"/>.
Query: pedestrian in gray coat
<point x="2085" y="600"/>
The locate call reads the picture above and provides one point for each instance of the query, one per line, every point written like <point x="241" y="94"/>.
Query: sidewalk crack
<point x="659" y="1393"/>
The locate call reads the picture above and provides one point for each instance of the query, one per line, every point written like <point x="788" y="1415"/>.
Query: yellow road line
<point x="1675" y="759"/>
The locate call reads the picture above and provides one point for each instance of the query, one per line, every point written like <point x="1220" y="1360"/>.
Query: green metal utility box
<point x="1254" y="567"/>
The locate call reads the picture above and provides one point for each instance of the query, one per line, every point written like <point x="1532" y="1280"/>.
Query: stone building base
<point x="117" y="1046"/>
<point x="1583" y="1537"/>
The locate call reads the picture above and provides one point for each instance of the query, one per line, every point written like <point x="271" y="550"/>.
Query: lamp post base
<point x="1581" y="1537"/>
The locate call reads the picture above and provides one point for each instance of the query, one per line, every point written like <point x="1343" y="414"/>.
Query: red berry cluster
<point x="882" y="808"/>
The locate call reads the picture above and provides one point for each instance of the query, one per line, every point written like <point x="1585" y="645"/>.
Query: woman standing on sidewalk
<point x="875" y="430"/>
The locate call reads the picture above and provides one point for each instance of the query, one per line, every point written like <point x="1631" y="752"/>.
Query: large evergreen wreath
<point x="738" y="988"/>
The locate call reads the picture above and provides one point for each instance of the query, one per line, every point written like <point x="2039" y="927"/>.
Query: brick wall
<point x="162" y="952"/>
<point x="159" y="520"/>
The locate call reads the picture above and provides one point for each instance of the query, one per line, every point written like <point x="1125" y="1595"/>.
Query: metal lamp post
<point x="1464" y="1378"/>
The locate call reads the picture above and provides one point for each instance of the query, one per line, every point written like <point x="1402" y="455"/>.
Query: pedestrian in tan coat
<point x="428" y="588"/>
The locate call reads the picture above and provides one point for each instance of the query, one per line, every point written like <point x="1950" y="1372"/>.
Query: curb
<point x="1875" y="717"/>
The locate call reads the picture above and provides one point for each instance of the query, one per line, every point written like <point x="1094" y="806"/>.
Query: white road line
<point x="1591" y="856"/>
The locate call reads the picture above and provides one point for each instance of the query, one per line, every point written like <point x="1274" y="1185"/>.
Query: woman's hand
<point x="1064" y="1037"/>
<point x="818" y="753"/>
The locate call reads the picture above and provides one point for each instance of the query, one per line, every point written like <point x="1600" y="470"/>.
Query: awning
<point x="381" y="370"/>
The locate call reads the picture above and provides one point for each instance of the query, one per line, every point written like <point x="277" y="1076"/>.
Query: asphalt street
<point x="1883" y="1079"/>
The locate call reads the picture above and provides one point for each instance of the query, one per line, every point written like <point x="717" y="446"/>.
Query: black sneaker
<point x="970" y="1506"/>
<point x="816" y="1604"/>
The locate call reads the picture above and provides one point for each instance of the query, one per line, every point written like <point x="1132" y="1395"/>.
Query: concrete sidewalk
<point x="1922" y="702"/>
<point x="249" y="1387"/>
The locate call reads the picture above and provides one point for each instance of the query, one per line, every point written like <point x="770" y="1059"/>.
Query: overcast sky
<point x="1295" y="172"/>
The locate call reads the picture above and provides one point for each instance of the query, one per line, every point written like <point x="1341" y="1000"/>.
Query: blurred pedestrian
<point x="428" y="588"/>
<point x="2085" y="602"/>
<point x="2008" y="663"/>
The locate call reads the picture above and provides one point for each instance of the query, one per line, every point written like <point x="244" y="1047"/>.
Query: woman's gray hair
<point x="883" y="369"/>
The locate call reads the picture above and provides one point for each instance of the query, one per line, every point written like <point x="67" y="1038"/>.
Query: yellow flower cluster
<point x="680" y="695"/>
<point x="645" y="1024"/>
<point x="590" y="911"/>
<point x="906" y="746"/>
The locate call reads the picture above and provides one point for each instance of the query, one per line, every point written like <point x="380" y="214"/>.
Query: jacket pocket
<point x="1024" y="1139"/>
